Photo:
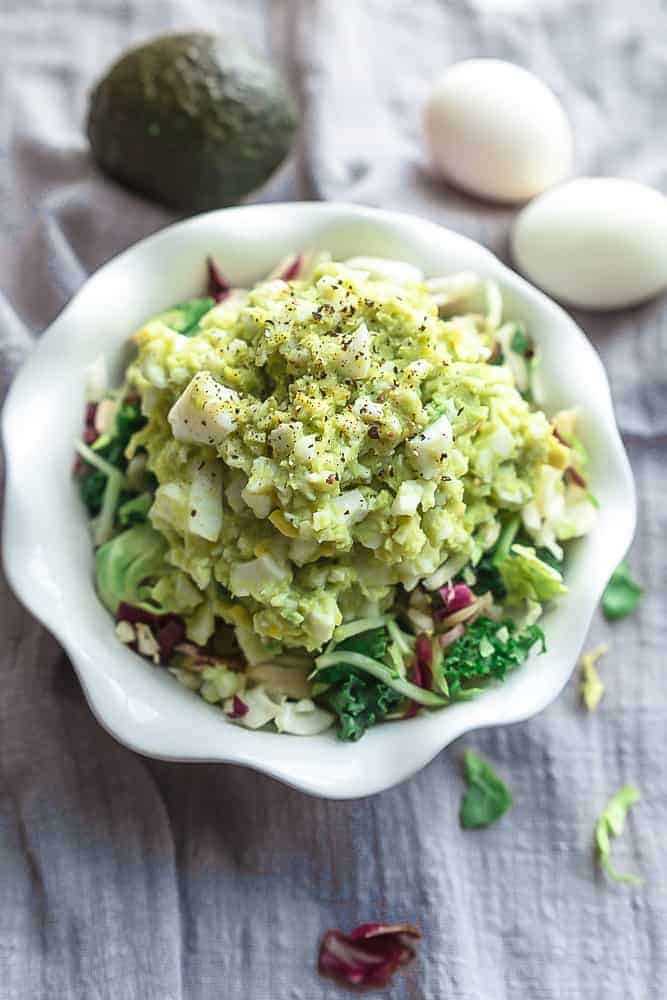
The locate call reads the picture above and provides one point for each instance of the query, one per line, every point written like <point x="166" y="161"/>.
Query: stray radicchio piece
<point x="239" y="708"/>
<point x="292" y="270"/>
<point x="367" y="956"/>
<point x="218" y="286"/>
<point x="455" y="597"/>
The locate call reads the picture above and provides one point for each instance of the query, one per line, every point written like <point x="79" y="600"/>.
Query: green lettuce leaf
<point x="487" y="797"/>
<point x="528" y="578"/>
<point x="621" y="595"/>
<point x="128" y="564"/>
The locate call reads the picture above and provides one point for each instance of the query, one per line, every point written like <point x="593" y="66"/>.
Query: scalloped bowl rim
<point x="51" y="572"/>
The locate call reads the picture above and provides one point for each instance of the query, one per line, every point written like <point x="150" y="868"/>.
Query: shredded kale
<point x="488" y="578"/>
<point x="92" y="482"/>
<point x="487" y="650"/>
<point x="358" y="700"/>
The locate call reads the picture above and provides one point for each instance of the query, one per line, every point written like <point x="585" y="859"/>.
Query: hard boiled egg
<point x="497" y="131"/>
<point x="595" y="242"/>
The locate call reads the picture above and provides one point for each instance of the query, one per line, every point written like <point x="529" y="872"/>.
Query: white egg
<point x="595" y="242"/>
<point x="497" y="131"/>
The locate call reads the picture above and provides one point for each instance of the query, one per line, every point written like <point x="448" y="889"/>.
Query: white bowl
<point x="47" y="552"/>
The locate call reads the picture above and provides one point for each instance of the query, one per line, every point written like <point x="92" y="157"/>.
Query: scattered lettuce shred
<point x="622" y="594"/>
<point x="487" y="798"/>
<point x="592" y="687"/>
<point x="611" y="824"/>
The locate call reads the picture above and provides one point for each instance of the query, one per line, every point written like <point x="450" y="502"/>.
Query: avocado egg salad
<point x="332" y="498"/>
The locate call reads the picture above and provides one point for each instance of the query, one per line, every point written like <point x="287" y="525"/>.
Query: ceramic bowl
<point x="47" y="552"/>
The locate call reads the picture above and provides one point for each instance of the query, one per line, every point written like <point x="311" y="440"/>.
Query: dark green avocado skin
<point x="194" y="121"/>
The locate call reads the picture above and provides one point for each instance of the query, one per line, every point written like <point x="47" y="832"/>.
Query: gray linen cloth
<point x="126" y="879"/>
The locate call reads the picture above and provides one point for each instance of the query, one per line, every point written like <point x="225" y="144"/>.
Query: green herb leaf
<point x="611" y="824"/>
<point x="487" y="798"/>
<point x="621" y="595"/>
<point x="521" y="343"/>
<point x="185" y="316"/>
<point x="505" y="648"/>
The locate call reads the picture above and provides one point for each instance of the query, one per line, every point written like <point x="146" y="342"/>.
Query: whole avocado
<point x="195" y="121"/>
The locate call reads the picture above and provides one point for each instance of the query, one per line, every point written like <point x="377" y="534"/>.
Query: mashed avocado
<point x="318" y="442"/>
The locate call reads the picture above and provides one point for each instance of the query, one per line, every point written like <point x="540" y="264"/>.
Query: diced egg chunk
<point x="367" y="410"/>
<point x="282" y="438"/>
<point x="304" y="449"/>
<point x="351" y="505"/>
<point x="323" y="619"/>
<point x="204" y="413"/>
<point x="355" y="355"/>
<point x="205" y="517"/>
<point x="249" y="579"/>
<point x="407" y="499"/>
<point x="428" y="449"/>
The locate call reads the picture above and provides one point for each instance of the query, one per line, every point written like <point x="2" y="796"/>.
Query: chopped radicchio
<point x="292" y="269"/>
<point x="169" y="635"/>
<point x="168" y="630"/>
<point x="367" y="956"/>
<point x="455" y="597"/>
<point x="572" y="476"/>
<point x="218" y="286"/>
<point x="239" y="708"/>
<point x="421" y="668"/>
